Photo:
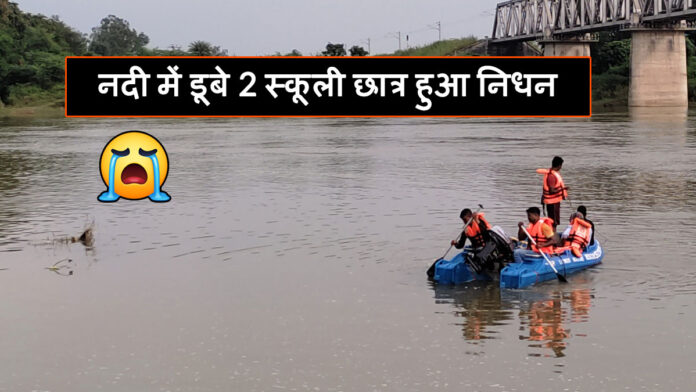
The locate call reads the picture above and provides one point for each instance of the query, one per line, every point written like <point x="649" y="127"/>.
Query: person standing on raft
<point x="554" y="190"/>
<point x="541" y="229"/>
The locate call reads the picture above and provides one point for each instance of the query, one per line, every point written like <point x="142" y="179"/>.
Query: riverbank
<point x="611" y="103"/>
<point x="32" y="101"/>
<point x="51" y="110"/>
<point x="45" y="110"/>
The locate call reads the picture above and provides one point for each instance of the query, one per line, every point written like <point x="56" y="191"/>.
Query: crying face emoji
<point x="134" y="165"/>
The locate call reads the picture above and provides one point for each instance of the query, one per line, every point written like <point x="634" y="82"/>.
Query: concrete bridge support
<point x="577" y="47"/>
<point x="658" y="68"/>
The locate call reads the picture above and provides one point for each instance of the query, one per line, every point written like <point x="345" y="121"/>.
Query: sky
<point x="263" y="27"/>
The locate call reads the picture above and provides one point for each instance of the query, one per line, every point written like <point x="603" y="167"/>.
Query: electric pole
<point x="437" y="26"/>
<point x="397" y="35"/>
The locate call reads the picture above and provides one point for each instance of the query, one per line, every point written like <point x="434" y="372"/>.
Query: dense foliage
<point x="334" y="50"/>
<point x="611" y="58"/>
<point x="202" y="48"/>
<point x="32" y="52"/>
<point x="115" y="37"/>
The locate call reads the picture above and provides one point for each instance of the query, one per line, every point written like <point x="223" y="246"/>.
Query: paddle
<point x="560" y="277"/>
<point x="431" y="270"/>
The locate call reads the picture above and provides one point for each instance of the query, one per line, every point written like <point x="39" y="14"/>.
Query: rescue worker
<point x="577" y="236"/>
<point x="554" y="190"/>
<point x="541" y="229"/>
<point x="476" y="232"/>
<point x="583" y="211"/>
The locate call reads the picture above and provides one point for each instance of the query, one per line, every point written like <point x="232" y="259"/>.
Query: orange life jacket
<point x="579" y="237"/>
<point x="556" y="194"/>
<point x="534" y="230"/>
<point x="475" y="231"/>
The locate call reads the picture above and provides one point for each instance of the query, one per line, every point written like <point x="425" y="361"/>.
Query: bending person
<point x="476" y="232"/>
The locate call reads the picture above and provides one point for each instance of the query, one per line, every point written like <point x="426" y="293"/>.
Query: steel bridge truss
<point x="524" y="20"/>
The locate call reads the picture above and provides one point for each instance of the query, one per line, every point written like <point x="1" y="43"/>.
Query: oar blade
<point x="431" y="270"/>
<point x="561" y="278"/>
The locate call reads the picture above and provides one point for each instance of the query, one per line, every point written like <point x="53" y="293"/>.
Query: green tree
<point x="203" y="48"/>
<point x="32" y="52"/>
<point x="171" y="50"/>
<point x="115" y="37"/>
<point x="66" y="36"/>
<point x="294" y="52"/>
<point x="611" y="57"/>
<point x="611" y="50"/>
<point x="358" y="51"/>
<point x="334" y="50"/>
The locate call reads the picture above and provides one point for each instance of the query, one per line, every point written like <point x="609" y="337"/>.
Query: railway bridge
<point x="565" y="27"/>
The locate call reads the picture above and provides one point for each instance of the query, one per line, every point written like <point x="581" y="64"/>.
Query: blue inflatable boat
<point x="533" y="269"/>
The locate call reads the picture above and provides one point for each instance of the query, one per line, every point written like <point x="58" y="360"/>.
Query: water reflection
<point x="480" y="305"/>
<point x="14" y="167"/>
<point x="664" y="115"/>
<point x="545" y="317"/>
<point x="544" y="322"/>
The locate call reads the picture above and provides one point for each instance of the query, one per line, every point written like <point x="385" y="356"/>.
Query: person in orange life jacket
<point x="477" y="232"/>
<point x="583" y="211"/>
<point x="554" y="190"/>
<point x="541" y="230"/>
<point x="577" y="236"/>
<point x="574" y="215"/>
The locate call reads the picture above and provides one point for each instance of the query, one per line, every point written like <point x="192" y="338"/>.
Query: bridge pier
<point x="568" y="47"/>
<point x="658" y="68"/>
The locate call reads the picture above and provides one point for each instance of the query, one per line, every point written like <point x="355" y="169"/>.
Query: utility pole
<point x="369" y="51"/>
<point x="397" y="35"/>
<point x="437" y="26"/>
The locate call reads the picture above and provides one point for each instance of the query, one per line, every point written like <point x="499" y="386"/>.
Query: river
<point x="292" y="256"/>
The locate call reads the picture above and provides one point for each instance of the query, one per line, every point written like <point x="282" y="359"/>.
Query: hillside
<point x="449" y="47"/>
<point x="32" y="52"/>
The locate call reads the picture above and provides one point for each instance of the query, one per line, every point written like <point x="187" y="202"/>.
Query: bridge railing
<point x="521" y="20"/>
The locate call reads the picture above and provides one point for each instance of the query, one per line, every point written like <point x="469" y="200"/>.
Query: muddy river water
<point x="292" y="256"/>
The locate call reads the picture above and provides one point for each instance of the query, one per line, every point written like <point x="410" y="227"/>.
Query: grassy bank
<point x="619" y="104"/>
<point x="34" y="111"/>
<point x="449" y="47"/>
<point x="33" y="101"/>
